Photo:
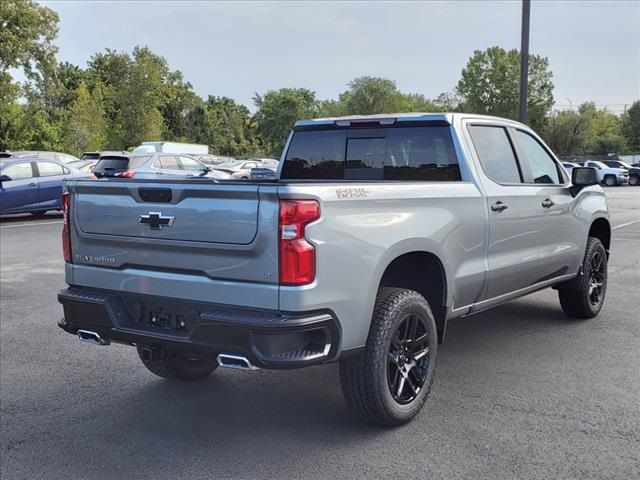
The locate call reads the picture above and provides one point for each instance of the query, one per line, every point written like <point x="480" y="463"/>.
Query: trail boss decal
<point x="348" y="193"/>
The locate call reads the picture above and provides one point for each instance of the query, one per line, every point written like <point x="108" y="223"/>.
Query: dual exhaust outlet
<point x="224" y="359"/>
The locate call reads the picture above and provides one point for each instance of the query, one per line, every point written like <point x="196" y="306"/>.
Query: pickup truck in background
<point x="609" y="176"/>
<point x="376" y="232"/>
<point x="634" y="172"/>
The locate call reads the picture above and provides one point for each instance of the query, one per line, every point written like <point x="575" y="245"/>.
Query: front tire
<point x="389" y="382"/>
<point x="588" y="299"/>
<point x="610" y="181"/>
<point x="179" y="367"/>
<point x="634" y="180"/>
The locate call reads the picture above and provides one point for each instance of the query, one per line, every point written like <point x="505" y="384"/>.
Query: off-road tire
<point x="364" y="380"/>
<point x="576" y="302"/>
<point x="178" y="367"/>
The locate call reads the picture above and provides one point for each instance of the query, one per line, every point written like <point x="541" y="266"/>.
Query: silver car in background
<point x="154" y="165"/>
<point x="241" y="169"/>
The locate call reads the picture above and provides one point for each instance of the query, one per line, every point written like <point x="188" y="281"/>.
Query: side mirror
<point x="5" y="178"/>
<point x="582" y="177"/>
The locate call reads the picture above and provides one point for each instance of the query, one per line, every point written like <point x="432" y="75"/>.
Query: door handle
<point x="548" y="203"/>
<point x="33" y="184"/>
<point x="499" y="206"/>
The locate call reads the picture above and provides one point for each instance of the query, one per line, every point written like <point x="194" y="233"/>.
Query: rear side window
<point x="398" y="153"/>
<point x="543" y="167"/>
<point x="190" y="164"/>
<point x="48" y="169"/>
<point x="19" y="171"/>
<point x="137" y="162"/>
<point x="496" y="153"/>
<point x="167" y="162"/>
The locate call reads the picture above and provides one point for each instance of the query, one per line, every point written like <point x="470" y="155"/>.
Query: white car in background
<point x="569" y="166"/>
<point x="610" y="176"/>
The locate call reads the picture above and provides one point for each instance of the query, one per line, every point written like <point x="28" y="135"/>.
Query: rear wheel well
<point x="601" y="229"/>
<point x="424" y="273"/>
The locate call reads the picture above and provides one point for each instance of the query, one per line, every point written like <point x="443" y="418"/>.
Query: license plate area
<point x="162" y="316"/>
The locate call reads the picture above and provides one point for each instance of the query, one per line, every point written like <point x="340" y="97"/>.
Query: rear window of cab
<point x="411" y="153"/>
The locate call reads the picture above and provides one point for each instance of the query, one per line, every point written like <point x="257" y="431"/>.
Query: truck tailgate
<point x="200" y="234"/>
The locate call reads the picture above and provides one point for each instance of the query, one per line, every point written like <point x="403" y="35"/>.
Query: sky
<point x="240" y="48"/>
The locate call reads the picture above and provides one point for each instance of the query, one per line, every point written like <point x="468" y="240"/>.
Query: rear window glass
<point x="398" y="153"/>
<point x="111" y="164"/>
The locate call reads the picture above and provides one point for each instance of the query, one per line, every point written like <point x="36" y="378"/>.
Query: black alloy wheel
<point x="408" y="359"/>
<point x="597" y="276"/>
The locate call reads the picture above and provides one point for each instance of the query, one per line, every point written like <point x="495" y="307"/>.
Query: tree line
<point x="120" y="99"/>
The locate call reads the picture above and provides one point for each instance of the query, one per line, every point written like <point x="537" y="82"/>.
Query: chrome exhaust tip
<point x="93" y="338"/>
<point x="235" y="361"/>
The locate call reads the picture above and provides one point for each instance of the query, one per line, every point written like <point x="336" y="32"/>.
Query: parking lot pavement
<point x="521" y="392"/>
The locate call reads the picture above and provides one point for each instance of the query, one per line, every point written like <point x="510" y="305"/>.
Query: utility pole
<point x="524" y="60"/>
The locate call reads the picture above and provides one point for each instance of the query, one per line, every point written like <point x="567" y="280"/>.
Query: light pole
<point x="524" y="60"/>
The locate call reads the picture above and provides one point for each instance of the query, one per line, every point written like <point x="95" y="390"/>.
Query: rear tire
<point x="389" y="382"/>
<point x="587" y="300"/>
<point x="179" y="367"/>
<point x="634" y="180"/>
<point x="610" y="181"/>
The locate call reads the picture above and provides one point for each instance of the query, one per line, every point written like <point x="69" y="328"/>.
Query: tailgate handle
<point x="155" y="195"/>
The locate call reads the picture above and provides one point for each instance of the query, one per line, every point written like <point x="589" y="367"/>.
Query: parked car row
<point x="33" y="184"/>
<point x="610" y="172"/>
<point x="33" y="181"/>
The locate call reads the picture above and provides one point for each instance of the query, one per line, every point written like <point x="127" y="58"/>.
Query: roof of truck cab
<point x="446" y="117"/>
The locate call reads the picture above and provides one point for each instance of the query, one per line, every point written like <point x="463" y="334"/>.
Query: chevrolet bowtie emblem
<point x="156" y="220"/>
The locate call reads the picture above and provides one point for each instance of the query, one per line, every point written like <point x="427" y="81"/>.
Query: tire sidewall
<point x="633" y="180"/>
<point x="609" y="181"/>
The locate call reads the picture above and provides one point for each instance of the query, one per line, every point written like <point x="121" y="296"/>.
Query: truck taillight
<point x="66" y="228"/>
<point x="297" y="255"/>
<point x="125" y="174"/>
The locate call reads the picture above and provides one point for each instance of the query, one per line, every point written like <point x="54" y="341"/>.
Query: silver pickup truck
<point x="376" y="231"/>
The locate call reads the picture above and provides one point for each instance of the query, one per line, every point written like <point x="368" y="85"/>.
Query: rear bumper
<point x="268" y="339"/>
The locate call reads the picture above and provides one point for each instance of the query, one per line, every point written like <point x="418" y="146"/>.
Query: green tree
<point x="604" y="135"/>
<point x="278" y="110"/>
<point x="11" y="115"/>
<point x="230" y="127"/>
<point x="143" y="97"/>
<point x="631" y="126"/>
<point x="370" y="95"/>
<point x="179" y="100"/>
<point x="111" y="70"/>
<point x="567" y="133"/>
<point x="490" y="84"/>
<point x="27" y="33"/>
<point x="85" y="128"/>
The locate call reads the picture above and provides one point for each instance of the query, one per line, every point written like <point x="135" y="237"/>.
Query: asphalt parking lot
<point x="521" y="391"/>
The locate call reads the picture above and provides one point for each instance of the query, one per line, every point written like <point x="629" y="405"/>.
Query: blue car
<point x="33" y="185"/>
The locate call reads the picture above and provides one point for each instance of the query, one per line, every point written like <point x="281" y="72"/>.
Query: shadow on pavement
<point x="27" y="217"/>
